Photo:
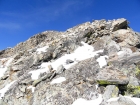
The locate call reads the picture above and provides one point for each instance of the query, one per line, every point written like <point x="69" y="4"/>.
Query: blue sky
<point x="21" y="19"/>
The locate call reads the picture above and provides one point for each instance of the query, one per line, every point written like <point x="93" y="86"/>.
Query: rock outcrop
<point x="91" y="63"/>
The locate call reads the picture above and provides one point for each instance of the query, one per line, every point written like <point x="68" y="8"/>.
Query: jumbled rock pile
<point x="92" y="63"/>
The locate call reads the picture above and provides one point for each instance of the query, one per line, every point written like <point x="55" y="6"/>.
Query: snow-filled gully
<point x="81" y="53"/>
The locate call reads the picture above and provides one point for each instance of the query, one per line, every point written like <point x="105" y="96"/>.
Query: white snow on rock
<point x="82" y="101"/>
<point x="96" y="86"/>
<point x="43" y="49"/>
<point x="120" y="52"/>
<point x="134" y="99"/>
<point x="97" y="101"/>
<point x="2" y="71"/>
<point x="102" y="61"/>
<point x="32" y="88"/>
<point x="3" y="67"/>
<point x="58" y="80"/>
<point x="81" y="53"/>
<point x="36" y="73"/>
<point x="5" y="89"/>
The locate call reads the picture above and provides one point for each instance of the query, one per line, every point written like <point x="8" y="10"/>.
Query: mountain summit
<point x="94" y="63"/>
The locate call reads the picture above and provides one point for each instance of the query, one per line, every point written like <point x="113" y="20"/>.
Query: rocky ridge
<point x="92" y="63"/>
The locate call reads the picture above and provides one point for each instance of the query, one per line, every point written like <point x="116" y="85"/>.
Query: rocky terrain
<point x="94" y="63"/>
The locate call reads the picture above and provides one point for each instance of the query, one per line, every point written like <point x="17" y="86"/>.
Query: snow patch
<point x="96" y="86"/>
<point x="120" y="52"/>
<point x="5" y="89"/>
<point x="36" y="73"/>
<point x="58" y="80"/>
<point x="102" y="61"/>
<point x="134" y="99"/>
<point x="2" y="71"/>
<point x="81" y="53"/>
<point x="3" y="67"/>
<point x="8" y="62"/>
<point x="31" y="87"/>
<point x="82" y="101"/>
<point x="113" y="99"/>
<point x="63" y="35"/>
<point x="43" y="49"/>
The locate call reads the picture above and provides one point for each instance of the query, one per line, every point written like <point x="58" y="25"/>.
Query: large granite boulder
<point x="109" y="76"/>
<point x="125" y="38"/>
<point x="119" y="24"/>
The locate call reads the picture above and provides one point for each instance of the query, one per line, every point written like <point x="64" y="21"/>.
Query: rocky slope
<point x="94" y="63"/>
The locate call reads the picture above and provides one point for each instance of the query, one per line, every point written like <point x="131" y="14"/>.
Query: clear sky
<point x="21" y="19"/>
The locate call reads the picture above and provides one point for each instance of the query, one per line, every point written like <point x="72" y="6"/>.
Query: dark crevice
<point x="138" y="46"/>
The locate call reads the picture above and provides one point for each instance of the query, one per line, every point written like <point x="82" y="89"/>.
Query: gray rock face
<point x="125" y="37"/>
<point x="111" y="91"/>
<point x="110" y="76"/>
<point x="60" y="69"/>
<point x="68" y="61"/>
<point x="29" y="66"/>
<point x="31" y="43"/>
<point x="112" y="48"/>
<point x="125" y="101"/>
<point x="127" y="62"/>
<point x="119" y="24"/>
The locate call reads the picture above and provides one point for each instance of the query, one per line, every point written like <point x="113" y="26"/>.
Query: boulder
<point x="68" y="61"/>
<point x="112" y="48"/>
<point x="110" y="92"/>
<point x="122" y="101"/>
<point x="22" y="88"/>
<point x="60" y="69"/>
<point x="125" y="38"/>
<point x="109" y="76"/>
<point x="119" y="24"/>
<point x="127" y="64"/>
<point x="125" y="101"/>
<point x="48" y="76"/>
